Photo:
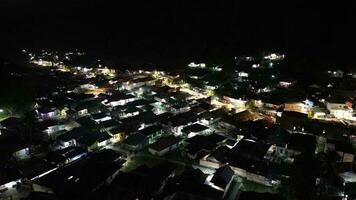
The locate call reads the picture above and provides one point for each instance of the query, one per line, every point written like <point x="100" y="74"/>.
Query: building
<point x="339" y="109"/>
<point x="152" y="132"/>
<point x="199" y="145"/>
<point x="46" y="113"/>
<point x="296" y="107"/>
<point x="195" y="129"/>
<point x="293" y="121"/>
<point x="348" y="180"/>
<point x="118" y="99"/>
<point x="223" y="176"/>
<point x="81" y="179"/>
<point x="134" y="143"/>
<point x="100" y="117"/>
<point x="164" y="145"/>
<point x="65" y="156"/>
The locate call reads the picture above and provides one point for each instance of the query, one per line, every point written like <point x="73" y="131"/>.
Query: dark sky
<point x="172" y="31"/>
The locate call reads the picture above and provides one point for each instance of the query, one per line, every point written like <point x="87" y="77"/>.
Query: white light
<point x="255" y="65"/>
<point x="1" y="111"/>
<point x="243" y="74"/>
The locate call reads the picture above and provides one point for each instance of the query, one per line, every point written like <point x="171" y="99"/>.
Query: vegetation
<point x="16" y="94"/>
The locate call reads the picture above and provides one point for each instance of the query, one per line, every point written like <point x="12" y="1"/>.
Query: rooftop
<point x="194" y="128"/>
<point x="164" y="142"/>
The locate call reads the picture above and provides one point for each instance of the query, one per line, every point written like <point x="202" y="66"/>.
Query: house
<point x="86" y="107"/>
<point x="100" y="117"/>
<point x="126" y="111"/>
<point x="348" y="180"/>
<point x="302" y="143"/>
<point x="68" y="139"/>
<point x="269" y="102"/>
<point x="108" y="125"/>
<point x="52" y="128"/>
<point x="296" y="107"/>
<point x="81" y="179"/>
<point x="318" y="112"/>
<point x="237" y="103"/>
<point x="152" y="132"/>
<point x="93" y="140"/>
<point x="217" y="158"/>
<point x="226" y="123"/>
<point x="343" y="149"/>
<point x="46" y="109"/>
<point x="199" y="145"/>
<point x="86" y="121"/>
<point x="48" y="126"/>
<point x="247" y="160"/>
<point x="164" y="145"/>
<point x="117" y="134"/>
<point x="104" y="140"/>
<point x="247" y="116"/>
<point x="118" y="99"/>
<point x="208" y="119"/>
<point x="223" y="176"/>
<point x="293" y="121"/>
<point x="135" y="142"/>
<point x="176" y="123"/>
<point x="34" y="167"/>
<point x="133" y="124"/>
<point x="142" y="182"/>
<point x="65" y="156"/>
<point x="279" y="139"/>
<point x="71" y="137"/>
<point x="195" y="129"/>
<point x="22" y="154"/>
<point x="46" y="113"/>
<point x="138" y="82"/>
<point x="13" y="124"/>
<point x="189" y="185"/>
<point x="339" y="109"/>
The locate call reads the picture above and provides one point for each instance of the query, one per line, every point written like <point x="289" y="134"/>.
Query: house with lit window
<point x="126" y="111"/>
<point x="135" y="143"/>
<point x="100" y="117"/>
<point x="339" y="108"/>
<point x="46" y="113"/>
<point x="152" y="132"/>
<point x="118" y="99"/>
<point x="296" y="107"/>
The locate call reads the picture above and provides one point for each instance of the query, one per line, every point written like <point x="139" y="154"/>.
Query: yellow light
<point x="211" y="93"/>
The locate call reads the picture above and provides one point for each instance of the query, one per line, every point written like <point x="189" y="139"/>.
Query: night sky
<point x="172" y="32"/>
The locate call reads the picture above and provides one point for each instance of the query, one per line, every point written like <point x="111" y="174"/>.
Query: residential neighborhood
<point x="101" y="133"/>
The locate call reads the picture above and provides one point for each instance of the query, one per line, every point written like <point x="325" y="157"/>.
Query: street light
<point x="1" y="110"/>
